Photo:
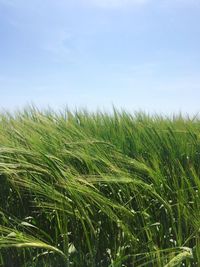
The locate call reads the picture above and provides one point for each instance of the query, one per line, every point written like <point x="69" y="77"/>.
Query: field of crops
<point x="99" y="190"/>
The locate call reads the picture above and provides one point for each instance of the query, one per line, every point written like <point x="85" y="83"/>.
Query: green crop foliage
<point x="99" y="190"/>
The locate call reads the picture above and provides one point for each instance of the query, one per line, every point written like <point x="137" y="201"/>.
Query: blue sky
<point x="134" y="54"/>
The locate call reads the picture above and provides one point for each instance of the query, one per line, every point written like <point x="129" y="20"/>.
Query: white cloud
<point x="115" y="3"/>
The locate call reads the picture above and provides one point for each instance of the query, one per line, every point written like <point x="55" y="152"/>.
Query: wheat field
<point x="99" y="189"/>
